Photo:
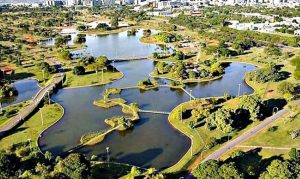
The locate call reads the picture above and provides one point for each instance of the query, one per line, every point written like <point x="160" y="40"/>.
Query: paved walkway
<point x="154" y="112"/>
<point x="264" y="147"/>
<point x="190" y="94"/>
<point x="218" y="153"/>
<point x="32" y="106"/>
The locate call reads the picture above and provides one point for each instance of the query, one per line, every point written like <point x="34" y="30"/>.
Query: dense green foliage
<point x="262" y="75"/>
<point x="296" y="62"/>
<point x="79" y="70"/>
<point x="21" y="162"/>
<point x="47" y="68"/>
<point x="7" y="90"/>
<point x="249" y="165"/>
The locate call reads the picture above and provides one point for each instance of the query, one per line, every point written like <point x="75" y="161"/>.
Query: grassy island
<point x="108" y="103"/>
<point x="186" y="72"/>
<point x="92" y="138"/>
<point x="92" y="78"/>
<point x="147" y="84"/>
<point x="120" y="123"/>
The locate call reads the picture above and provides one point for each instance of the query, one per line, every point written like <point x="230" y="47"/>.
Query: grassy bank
<point x="32" y="128"/>
<point x="9" y="112"/>
<point x="91" y="78"/>
<point x="199" y="136"/>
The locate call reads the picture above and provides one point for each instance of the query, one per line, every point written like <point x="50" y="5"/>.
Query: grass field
<point x="280" y="137"/>
<point x="91" y="78"/>
<point x="200" y="136"/>
<point x="32" y="128"/>
<point x="4" y="117"/>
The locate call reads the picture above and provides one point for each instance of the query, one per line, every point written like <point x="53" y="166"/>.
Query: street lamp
<point x="29" y="141"/>
<point x="49" y="97"/>
<point x="107" y="153"/>
<point x="181" y="113"/>
<point x="275" y="108"/>
<point x="191" y="145"/>
<point x="239" y="89"/>
<point x="202" y="151"/>
<point x="42" y="119"/>
<point x="43" y="76"/>
<point x="113" y="62"/>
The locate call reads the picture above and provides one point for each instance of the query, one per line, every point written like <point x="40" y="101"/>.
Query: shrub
<point x="78" y="70"/>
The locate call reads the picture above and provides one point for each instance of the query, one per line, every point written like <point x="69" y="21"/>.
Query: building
<point x="54" y="3"/>
<point x="6" y="71"/>
<point x="91" y="3"/>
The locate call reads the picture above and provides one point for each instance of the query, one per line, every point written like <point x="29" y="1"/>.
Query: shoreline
<point x="41" y="134"/>
<point x="92" y="85"/>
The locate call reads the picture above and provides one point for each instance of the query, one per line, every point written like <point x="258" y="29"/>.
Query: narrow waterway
<point x="27" y="89"/>
<point x="152" y="142"/>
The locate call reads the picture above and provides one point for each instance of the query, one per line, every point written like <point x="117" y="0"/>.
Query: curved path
<point x="218" y="153"/>
<point x="32" y="106"/>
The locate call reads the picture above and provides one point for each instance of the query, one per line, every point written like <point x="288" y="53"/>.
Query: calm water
<point x="152" y="142"/>
<point x="113" y="45"/>
<point x="27" y="89"/>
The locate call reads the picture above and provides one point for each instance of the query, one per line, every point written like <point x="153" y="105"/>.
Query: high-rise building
<point x="54" y="3"/>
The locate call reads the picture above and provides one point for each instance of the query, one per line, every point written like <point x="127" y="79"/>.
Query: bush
<point x="295" y="61"/>
<point x="65" y="55"/>
<point x="286" y="87"/>
<point x="273" y="50"/>
<point x="103" y="26"/>
<point x="78" y="70"/>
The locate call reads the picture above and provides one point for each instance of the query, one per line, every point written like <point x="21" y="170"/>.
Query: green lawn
<point x="5" y="116"/>
<point x="200" y="136"/>
<point x="33" y="72"/>
<point x="278" y="138"/>
<point x="32" y="128"/>
<point x="91" y="78"/>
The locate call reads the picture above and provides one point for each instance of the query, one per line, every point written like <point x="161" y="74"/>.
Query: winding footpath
<point x="32" y="106"/>
<point x="235" y="142"/>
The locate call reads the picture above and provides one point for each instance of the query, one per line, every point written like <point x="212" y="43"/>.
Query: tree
<point x="230" y="171"/>
<point x="65" y="55"/>
<point x="8" y="164"/>
<point x="273" y="50"/>
<point x="178" y="55"/>
<point x="80" y="38"/>
<point x="208" y="169"/>
<point x="216" y="68"/>
<point x="286" y="88"/>
<point x="221" y="119"/>
<point x="253" y="104"/>
<point x="47" y="68"/>
<point x="102" y="26"/>
<point x="59" y="41"/>
<point x="114" y="22"/>
<point x="277" y="169"/>
<point x="102" y="60"/>
<point x="192" y="74"/>
<point x="78" y="70"/>
<point x="294" y="154"/>
<point x="74" y="166"/>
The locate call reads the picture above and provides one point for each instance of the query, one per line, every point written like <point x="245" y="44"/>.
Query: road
<point x="30" y="108"/>
<point x="218" y="153"/>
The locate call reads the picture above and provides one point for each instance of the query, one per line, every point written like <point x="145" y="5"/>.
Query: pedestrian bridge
<point x="154" y="112"/>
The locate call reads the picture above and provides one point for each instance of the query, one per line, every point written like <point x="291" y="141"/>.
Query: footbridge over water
<point x="33" y="104"/>
<point x="188" y="93"/>
<point x="116" y="59"/>
<point x="154" y="112"/>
